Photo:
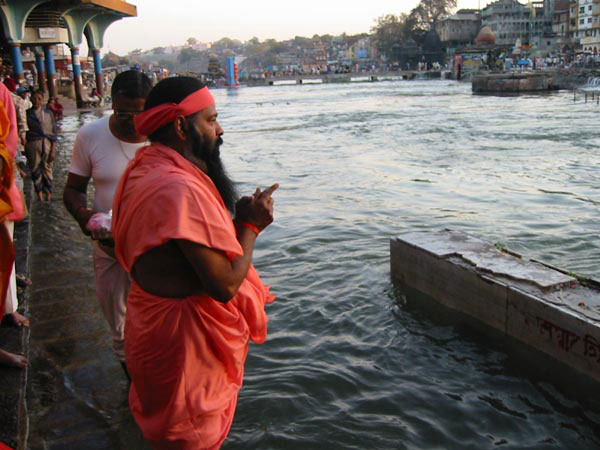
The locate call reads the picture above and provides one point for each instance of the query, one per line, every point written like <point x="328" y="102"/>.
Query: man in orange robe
<point x="195" y="298"/>
<point x="7" y="251"/>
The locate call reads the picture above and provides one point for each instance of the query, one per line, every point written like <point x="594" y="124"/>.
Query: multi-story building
<point x="562" y="28"/>
<point x="315" y="58"/>
<point x="560" y="19"/>
<point x="460" y="29"/>
<point x="588" y="26"/>
<point x="511" y="20"/>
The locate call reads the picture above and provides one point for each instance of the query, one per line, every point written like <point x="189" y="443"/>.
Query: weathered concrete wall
<point x="538" y="305"/>
<point x="572" y="78"/>
<point x="498" y="83"/>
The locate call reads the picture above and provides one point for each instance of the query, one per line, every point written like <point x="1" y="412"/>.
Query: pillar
<point x="230" y="71"/>
<point x="50" y="71"/>
<point x="41" y="72"/>
<point x="98" y="71"/>
<point x="77" y="76"/>
<point x="17" y="60"/>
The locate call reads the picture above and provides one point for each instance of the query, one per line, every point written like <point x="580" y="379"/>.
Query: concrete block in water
<point x="538" y="305"/>
<point x="511" y="82"/>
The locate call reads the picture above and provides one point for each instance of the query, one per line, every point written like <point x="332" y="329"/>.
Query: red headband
<point x="151" y="120"/>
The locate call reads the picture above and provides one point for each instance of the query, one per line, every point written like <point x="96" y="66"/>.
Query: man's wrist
<point x="251" y="227"/>
<point x="83" y="214"/>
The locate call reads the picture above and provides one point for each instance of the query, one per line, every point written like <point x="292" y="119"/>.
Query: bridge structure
<point x="40" y="25"/>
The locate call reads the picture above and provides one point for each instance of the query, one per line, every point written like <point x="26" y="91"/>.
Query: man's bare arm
<point x="75" y="199"/>
<point x="220" y="277"/>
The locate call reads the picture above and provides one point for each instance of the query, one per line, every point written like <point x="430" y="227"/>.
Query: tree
<point x="192" y="41"/>
<point x="389" y="32"/>
<point x="428" y="13"/>
<point x="302" y="42"/>
<point x="110" y="60"/>
<point x="225" y="44"/>
<point x="186" y="55"/>
<point x="167" y="64"/>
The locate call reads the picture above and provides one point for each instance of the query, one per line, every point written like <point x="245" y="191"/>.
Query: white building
<point x="588" y="26"/>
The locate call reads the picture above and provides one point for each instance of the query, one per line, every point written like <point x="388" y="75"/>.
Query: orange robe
<point x="7" y="252"/>
<point x="185" y="355"/>
<point x="10" y="138"/>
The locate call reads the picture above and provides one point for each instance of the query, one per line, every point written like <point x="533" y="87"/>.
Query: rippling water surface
<point x="349" y="363"/>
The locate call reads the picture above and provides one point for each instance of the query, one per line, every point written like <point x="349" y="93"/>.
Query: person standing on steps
<point x="102" y="151"/>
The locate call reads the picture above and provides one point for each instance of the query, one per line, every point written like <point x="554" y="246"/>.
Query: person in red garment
<point x="18" y="206"/>
<point x="195" y="298"/>
<point x="7" y="251"/>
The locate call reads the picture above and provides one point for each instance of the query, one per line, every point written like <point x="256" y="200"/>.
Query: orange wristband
<point x="251" y="227"/>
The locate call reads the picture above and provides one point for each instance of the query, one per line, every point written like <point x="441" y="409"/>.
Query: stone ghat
<point x="541" y="306"/>
<point x="512" y="82"/>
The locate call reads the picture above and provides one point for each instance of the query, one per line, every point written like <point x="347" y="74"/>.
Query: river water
<point x="349" y="362"/>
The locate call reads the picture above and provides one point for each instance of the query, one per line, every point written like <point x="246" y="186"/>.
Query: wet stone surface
<point x="13" y="339"/>
<point x="77" y="392"/>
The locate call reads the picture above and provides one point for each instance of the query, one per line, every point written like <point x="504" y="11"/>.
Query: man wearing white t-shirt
<point x="102" y="151"/>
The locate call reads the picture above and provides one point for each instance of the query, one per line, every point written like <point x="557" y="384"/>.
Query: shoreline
<point x="561" y="78"/>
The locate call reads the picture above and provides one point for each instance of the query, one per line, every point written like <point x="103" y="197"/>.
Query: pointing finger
<point x="270" y="190"/>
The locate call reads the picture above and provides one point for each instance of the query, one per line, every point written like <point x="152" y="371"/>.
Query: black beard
<point x="208" y="151"/>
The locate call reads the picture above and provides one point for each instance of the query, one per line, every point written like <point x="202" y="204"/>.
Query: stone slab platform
<point x="539" y="305"/>
<point x="512" y="82"/>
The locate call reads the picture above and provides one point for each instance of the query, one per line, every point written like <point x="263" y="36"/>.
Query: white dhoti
<point x="12" y="303"/>
<point x="112" y="287"/>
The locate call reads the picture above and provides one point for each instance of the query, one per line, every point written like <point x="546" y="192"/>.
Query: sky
<point x="171" y="22"/>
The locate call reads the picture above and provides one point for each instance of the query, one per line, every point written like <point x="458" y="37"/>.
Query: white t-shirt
<point x="100" y="155"/>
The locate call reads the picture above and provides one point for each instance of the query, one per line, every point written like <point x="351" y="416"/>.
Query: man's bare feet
<point x="17" y="319"/>
<point x="8" y="359"/>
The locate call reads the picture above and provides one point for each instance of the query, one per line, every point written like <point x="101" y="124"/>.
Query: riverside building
<point x="460" y="29"/>
<point x="39" y="27"/>
<point x="510" y="20"/>
<point x="588" y="26"/>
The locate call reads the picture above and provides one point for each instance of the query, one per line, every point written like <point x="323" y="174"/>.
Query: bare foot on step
<point x="18" y="320"/>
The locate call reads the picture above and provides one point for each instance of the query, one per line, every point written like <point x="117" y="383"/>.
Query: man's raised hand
<point x="257" y="209"/>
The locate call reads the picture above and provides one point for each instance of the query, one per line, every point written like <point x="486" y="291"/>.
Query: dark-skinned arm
<point x="220" y="277"/>
<point x="75" y="199"/>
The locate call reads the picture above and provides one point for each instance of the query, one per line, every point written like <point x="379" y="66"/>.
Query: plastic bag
<point x="100" y="221"/>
